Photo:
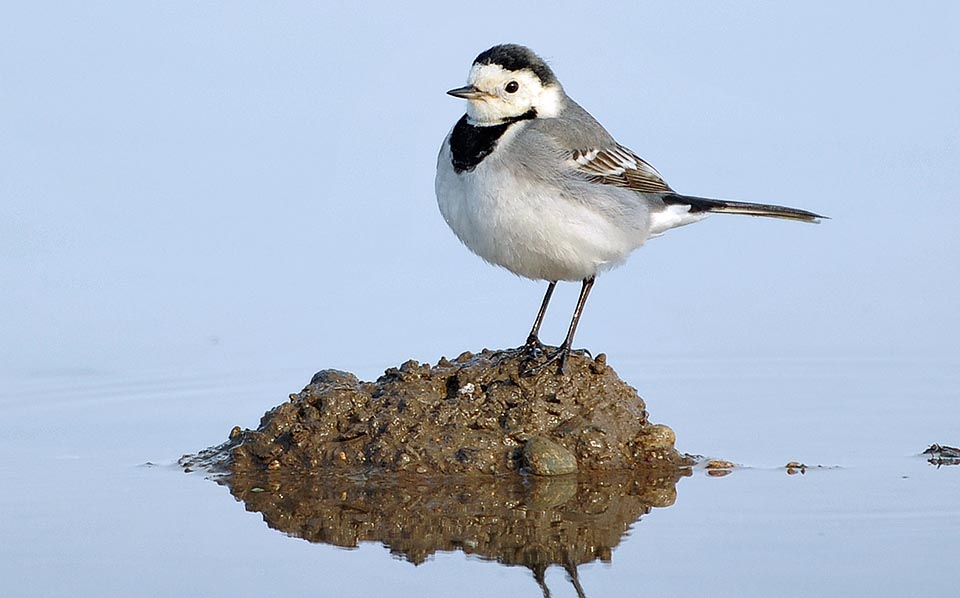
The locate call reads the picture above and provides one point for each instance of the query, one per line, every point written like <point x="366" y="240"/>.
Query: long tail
<point x="703" y="204"/>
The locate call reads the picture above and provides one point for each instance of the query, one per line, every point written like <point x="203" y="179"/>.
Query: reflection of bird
<point x="528" y="180"/>
<point x="540" y="576"/>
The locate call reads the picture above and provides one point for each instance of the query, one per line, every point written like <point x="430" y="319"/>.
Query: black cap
<point x="514" y="57"/>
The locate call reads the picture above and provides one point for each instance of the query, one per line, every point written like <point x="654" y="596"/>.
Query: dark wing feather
<point x="619" y="166"/>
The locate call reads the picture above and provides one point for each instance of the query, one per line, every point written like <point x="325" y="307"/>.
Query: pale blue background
<point x="203" y="203"/>
<point x="196" y="184"/>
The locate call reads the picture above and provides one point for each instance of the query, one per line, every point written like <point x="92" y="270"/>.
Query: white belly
<point x="532" y="229"/>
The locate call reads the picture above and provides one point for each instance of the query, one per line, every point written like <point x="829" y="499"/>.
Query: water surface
<point x="95" y="505"/>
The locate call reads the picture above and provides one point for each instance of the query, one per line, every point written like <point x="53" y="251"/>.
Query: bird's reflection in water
<point x="528" y="521"/>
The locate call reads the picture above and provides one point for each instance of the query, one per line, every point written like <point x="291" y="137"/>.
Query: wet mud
<point x="478" y="414"/>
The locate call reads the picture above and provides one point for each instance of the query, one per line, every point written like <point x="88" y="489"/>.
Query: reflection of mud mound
<point x="535" y="522"/>
<point x="476" y="414"/>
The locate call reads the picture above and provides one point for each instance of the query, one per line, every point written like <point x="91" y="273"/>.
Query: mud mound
<point x="475" y="414"/>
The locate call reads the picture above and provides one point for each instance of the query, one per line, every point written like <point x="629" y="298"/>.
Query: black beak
<point x="468" y="92"/>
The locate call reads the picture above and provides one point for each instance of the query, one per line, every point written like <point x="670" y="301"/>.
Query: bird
<point x="528" y="180"/>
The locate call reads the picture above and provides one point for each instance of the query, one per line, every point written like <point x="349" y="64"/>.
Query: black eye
<point x="511" y="87"/>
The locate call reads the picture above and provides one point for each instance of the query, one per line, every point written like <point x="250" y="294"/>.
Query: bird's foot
<point x="530" y="352"/>
<point x="559" y="357"/>
<point x="533" y="348"/>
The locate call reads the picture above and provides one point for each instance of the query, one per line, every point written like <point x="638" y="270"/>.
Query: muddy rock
<point x="542" y="456"/>
<point x="474" y="415"/>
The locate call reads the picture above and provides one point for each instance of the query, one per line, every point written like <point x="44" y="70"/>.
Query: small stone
<point x="718" y="465"/>
<point x="795" y="467"/>
<point x="657" y="436"/>
<point x="236" y="431"/>
<point x="410" y="365"/>
<point x="542" y="456"/>
<point x="332" y="376"/>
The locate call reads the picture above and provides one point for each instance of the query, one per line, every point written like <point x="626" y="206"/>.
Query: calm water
<point x="95" y="506"/>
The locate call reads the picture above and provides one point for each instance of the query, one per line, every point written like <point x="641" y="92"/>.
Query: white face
<point x="507" y="94"/>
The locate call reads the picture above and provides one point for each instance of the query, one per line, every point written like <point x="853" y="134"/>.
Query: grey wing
<point x="617" y="165"/>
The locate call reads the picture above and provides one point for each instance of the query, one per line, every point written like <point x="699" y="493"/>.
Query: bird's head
<point x="508" y="82"/>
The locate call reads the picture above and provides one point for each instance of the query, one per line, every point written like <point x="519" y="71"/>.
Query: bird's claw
<point x="532" y="348"/>
<point x="560" y="355"/>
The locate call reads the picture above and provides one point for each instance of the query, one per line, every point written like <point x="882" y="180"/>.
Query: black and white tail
<point x="703" y="204"/>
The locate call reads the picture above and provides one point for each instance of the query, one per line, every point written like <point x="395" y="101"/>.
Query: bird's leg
<point x="533" y="343"/>
<point x="563" y="351"/>
<point x="568" y="342"/>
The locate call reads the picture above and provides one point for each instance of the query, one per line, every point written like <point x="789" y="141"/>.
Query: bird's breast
<point x="527" y="225"/>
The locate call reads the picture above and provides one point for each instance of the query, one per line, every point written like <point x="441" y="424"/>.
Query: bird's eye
<point x="511" y="87"/>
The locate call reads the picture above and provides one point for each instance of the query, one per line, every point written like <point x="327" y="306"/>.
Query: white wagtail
<point x="529" y="180"/>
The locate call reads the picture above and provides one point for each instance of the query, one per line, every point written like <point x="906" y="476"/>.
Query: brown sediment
<point x="474" y="415"/>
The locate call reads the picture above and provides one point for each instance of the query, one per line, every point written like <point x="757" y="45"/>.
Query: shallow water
<point x="94" y="504"/>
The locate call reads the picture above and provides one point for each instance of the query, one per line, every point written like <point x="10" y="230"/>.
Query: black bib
<point x="470" y="144"/>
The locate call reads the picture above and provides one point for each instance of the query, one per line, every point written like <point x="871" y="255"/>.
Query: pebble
<point x="658" y="436"/>
<point x="542" y="456"/>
